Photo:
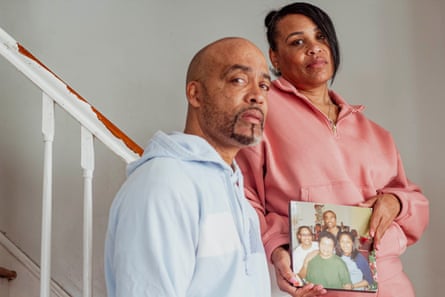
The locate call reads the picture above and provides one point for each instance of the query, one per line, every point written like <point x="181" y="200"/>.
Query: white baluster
<point x="48" y="138"/>
<point x="87" y="163"/>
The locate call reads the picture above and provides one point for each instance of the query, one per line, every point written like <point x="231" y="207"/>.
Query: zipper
<point x="333" y="126"/>
<point x="331" y="123"/>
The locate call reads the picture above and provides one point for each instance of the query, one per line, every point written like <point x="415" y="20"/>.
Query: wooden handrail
<point x="67" y="98"/>
<point x="8" y="274"/>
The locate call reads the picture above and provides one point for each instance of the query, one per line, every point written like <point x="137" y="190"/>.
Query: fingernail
<point x="294" y="280"/>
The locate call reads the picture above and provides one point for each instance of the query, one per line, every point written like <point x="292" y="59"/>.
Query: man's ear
<point x="193" y="92"/>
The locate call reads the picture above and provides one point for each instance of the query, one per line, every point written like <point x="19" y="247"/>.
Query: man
<point x="180" y="225"/>
<point x="305" y="246"/>
<point x="330" y="222"/>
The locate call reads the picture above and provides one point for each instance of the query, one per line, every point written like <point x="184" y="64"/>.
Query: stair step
<point x="7" y="274"/>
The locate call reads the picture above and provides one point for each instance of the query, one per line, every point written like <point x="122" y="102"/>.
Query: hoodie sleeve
<point x="153" y="236"/>
<point x="274" y="227"/>
<point x="414" y="215"/>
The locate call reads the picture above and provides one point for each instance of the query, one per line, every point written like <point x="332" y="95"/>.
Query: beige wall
<point x="128" y="58"/>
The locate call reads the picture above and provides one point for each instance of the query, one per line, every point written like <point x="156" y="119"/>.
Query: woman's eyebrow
<point x="316" y="29"/>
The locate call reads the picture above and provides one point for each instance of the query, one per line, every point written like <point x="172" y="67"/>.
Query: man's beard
<point x="226" y="123"/>
<point x="230" y="126"/>
<point x="246" y="139"/>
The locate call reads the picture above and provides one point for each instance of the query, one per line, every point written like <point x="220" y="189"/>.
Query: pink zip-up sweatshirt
<point x="304" y="157"/>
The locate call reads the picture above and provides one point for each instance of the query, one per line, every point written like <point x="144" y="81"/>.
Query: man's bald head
<point x="227" y="85"/>
<point x="213" y="54"/>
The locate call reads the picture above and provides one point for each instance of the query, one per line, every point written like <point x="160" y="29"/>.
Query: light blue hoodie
<point x="180" y="226"/>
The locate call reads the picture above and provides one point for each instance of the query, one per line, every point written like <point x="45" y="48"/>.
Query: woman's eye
<point x="265" y="87"/>
<point x="297" y="42"/>
<point x="321" y="37"/>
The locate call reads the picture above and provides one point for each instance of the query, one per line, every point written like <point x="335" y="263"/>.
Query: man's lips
<point x="253" y="116"/>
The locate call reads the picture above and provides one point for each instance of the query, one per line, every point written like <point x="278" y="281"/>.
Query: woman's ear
<point x="273" y="59"/>
<point x="193" y="93"/>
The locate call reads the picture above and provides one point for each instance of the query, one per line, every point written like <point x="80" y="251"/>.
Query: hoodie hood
<point x="178" y="145"/>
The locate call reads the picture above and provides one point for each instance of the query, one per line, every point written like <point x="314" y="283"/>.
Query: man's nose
<point x="257" y="95"/>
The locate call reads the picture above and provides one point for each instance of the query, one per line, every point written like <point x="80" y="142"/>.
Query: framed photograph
<point x="330" y="245"/>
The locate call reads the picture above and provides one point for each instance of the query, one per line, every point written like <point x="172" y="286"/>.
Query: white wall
<point x="128" y="58"/>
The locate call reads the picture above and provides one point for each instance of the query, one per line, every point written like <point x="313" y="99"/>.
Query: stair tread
<point x="8" y="274"/>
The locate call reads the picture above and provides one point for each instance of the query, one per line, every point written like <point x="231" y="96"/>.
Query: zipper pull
<point x="333" y="126"/>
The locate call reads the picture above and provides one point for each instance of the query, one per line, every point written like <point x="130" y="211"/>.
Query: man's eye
<point x="265" y="87"/>
<point x="238" y="80"/>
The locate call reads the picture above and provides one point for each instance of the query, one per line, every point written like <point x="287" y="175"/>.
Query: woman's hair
<point x="318" y="16"/>
<point x="338" y="249"/>
<point x="304" y="227"/>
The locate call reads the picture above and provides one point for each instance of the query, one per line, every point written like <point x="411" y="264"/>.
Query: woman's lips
<point x="317" y="63"/>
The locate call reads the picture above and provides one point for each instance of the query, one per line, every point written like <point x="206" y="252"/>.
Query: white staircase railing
<point x="93" y="125"/>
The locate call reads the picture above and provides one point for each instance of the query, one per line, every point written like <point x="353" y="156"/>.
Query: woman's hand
<point x="386" y="208"/>
<point x="286" y="279"/>
<point x="309" y="290"/>
<point x="348" y="287"/>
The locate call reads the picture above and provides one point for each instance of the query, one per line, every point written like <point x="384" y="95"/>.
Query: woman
<point x="357" y="264"/>
<point x="319" y="148"/>
<point x="304" y="247"/>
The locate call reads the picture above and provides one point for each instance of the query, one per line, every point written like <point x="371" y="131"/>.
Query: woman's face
<point x="305" y="237"/>
<point x="303" y="55"/>
<point x="345" y="244"/>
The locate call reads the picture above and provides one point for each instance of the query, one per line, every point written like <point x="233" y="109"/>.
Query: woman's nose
<point x="314" y="49"/>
